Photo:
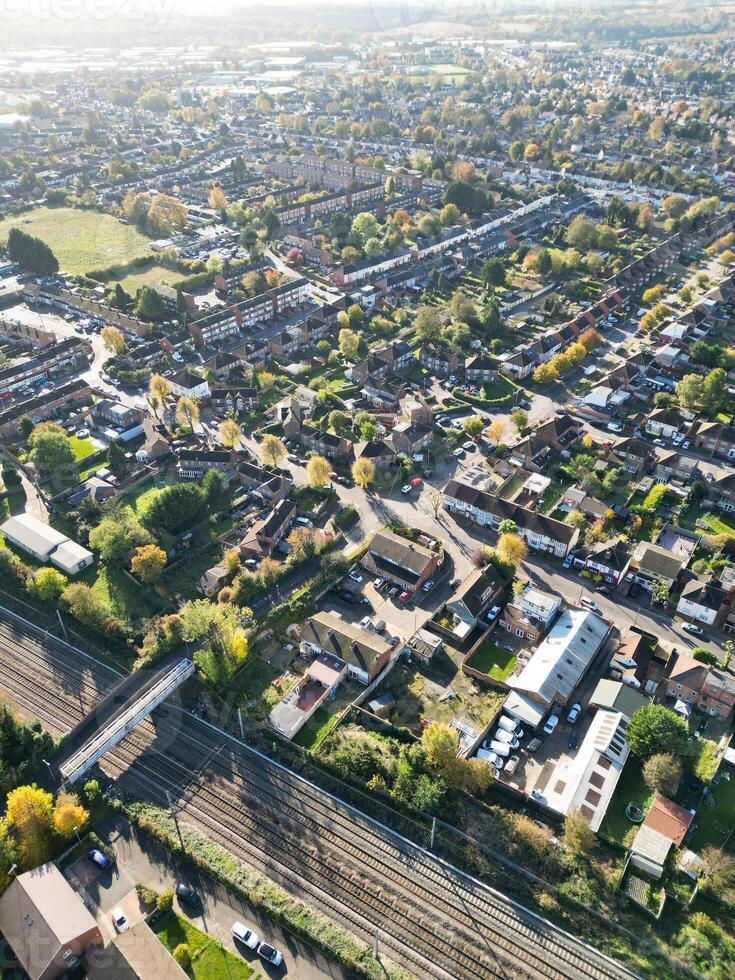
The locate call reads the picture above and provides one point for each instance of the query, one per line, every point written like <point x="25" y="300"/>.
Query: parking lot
<point x="555" y="748"/>
<point x="401" y="618"/>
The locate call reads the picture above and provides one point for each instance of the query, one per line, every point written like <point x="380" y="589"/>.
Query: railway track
<point x="433" y="919"/>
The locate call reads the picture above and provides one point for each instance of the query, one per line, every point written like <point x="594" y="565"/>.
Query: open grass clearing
<point x="82" y="241"/>
<point x="154" y="275"/>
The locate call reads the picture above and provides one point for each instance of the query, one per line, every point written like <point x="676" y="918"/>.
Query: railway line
<point x="433" y="919"/>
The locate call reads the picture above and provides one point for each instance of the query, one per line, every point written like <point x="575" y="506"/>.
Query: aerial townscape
<point x="367" y="490"/>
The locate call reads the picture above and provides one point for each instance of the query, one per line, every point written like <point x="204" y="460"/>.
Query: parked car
<point x="603" y="590"/>
<point x="469" y="446"/>
<point x="83" y="432"/>
<point x="378" y="583"/>
<point x="243" y="935"/>
<point x="406" y="488"/>
<point x="346" y="596"/>
<point x="693" y="629"/>
<point x="270" y="954"/>
<point x="119" y="919"/>
<point x="568" y="562"/>
<point x="187" y="896"/>
<point x="378" y="626"/>
<point x="393" y="591"/>
<point x="304" y="521"/>
<point x="512" y="764"/>
<point x="573" y="738"/>
<point x="551" y="722"/>
<point x="355" y="575"/>
<point x="404" y="596"/>
<point x="365" y="622"/>
<point x="458" y="452"/>
<point x="589" y="603"/>
<point x="574" y="713"/>
<point x="428" y="585"/>
<point x="100" y="859"/>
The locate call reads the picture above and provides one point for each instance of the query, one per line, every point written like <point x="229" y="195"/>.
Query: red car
<point x="404" y="596"/>
<point x="416" y="482"/>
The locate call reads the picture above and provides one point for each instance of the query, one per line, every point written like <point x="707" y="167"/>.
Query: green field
<point x="152" y="276"/>
<point x="81" y="240"/>
<point x="316" y="729"/>
<point x="630" y="789"/>
<point x="713" y="824"/>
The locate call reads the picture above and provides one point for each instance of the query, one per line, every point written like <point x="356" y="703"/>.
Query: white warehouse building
<point x="46" y="544"/>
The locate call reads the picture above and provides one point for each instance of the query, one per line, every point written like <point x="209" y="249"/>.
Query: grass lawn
<point x="209" y="961"/>
<point x="719" y="523"/>
<point x="713" y="824"/>
<point x="630" y="789"/>
<point x="82" y="447"/>
<point x="87" y="471"/>
<point x="316" y="729"/>
<point x="493" y="661"/>
<point x="81" y="240"/>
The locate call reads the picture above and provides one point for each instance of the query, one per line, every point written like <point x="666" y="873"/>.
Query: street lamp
<point x="79" y="839"/>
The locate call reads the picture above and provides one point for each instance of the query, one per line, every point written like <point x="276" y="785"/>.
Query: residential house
<point x="325" y="443"/>
<point x="704" y="603"/>
<point x="684" y="682"/>
<point x="234" y="399"/>
<point x="671" y="465"/>
<point x="636" y="455"/>
<point x="718" y="693"/>
<point x="405" y="562"/>
<point x="411" y="437"/>
<point x="472" y="598"/>
<point x="192" y="464"/>
<point x="540" y="532"/>
<point x="46" y="923"/>
<point x="69" y="396"/>
<point x="189" y="385"/>
<point x="265" y="535"/>
<point x="651" y="563"/>
<point x="722" y="492"/>
<point x="481" y="369"/>
<point x="156" y="444"/>
<point x="439" y="359"/>
<point x="668" y="422"/>
<point x="380" y="452"/>
<point x="611" y="561"/>
<point x="265" y="483"/>
<point x="530" y="614"/>
<point x="322" y="676"/>
<point x="366" y="653"/>
<point x="639" y="662"/>
<point x="716" y="438"/>
<point x="518" y="364"/>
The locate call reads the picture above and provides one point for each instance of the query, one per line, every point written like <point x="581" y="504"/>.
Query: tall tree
<point x="272" y="450"/>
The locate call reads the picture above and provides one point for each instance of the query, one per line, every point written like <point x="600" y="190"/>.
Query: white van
<point x="508" y="738"/>
<point x="508" y="725"/>
<point x="500" y="748"/>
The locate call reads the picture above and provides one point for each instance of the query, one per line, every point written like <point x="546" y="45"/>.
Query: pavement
<point x="141" y="859"/>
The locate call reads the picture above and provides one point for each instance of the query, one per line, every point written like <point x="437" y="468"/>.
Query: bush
<point x="182" y="955"/>
<point x="147" y="897"/>
<point x="165" y="901"/>
<point x="705" y="656"/>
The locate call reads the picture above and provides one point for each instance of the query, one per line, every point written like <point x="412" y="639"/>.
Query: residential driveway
<point x="140" y="859"/>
